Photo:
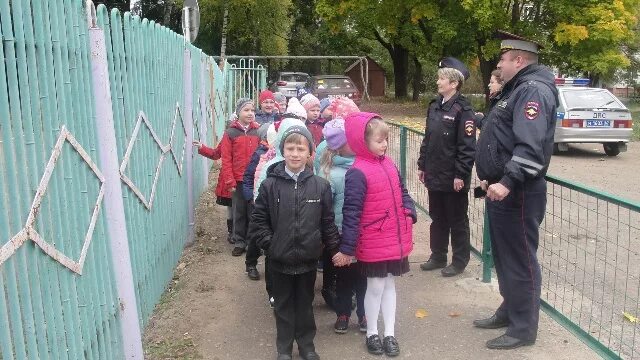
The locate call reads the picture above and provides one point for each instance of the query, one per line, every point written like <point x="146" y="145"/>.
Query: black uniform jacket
<point x="449" y="144"/>
<point x="291" y="220"/>
<point x="516" y="141"/>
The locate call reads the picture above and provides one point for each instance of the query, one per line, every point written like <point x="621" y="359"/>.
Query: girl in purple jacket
<point x="378" y="216"/>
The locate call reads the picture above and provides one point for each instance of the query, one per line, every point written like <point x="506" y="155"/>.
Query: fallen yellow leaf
<point x="421" y="313"/>
<point x="630" y="317"/>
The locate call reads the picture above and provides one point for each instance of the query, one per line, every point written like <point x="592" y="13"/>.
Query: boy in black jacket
<point x="292" y="218"/>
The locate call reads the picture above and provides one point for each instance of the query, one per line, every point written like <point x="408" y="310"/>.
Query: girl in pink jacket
<point x="378" y="216"/>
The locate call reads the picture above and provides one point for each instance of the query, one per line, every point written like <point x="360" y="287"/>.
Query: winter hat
<point x="309" y="101"/>
<point x="272" y="134"/>
<point x="341" y="107"/>
<point x="324" y="104"/>
<point x="296" y="108"/>
<point x="301" y="91"/>
<point x="334" y="134"/>
<point x="262" y="131"/>
<point x="241" y="103"/>
<point x="279" y="97"/>
<point x="296" y="129"/>
<point x="266" y="95"/>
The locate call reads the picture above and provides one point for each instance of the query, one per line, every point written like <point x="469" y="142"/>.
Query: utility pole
<point x="223" y="47"/>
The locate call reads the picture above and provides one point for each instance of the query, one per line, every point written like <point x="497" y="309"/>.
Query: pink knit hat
<point x="309" y="101"/>
<point x="341" y="107"/>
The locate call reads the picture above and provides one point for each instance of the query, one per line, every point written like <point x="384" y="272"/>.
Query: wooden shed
<point x="377" y="77"/>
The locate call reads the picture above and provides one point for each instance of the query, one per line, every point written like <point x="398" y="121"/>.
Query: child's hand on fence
<point x="421" y="176"/>
<point x="197" y="144"/>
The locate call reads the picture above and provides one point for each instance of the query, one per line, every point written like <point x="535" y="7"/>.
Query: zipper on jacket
<point x="395" y="209"/>
<point x="295" y="228"/>
<point x="381" y="219"/>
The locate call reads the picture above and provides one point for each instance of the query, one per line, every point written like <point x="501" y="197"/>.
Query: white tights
<point x="381" y="293"/>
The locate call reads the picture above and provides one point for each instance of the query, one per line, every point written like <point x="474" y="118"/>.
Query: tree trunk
<point x="400" y="58"/>
<point x="486" y="67"/>
<point x="417" y="78"/>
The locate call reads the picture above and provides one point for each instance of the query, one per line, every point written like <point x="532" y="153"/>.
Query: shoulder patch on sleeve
<point x="468" y="127"/>
<point x="531" y="110"/>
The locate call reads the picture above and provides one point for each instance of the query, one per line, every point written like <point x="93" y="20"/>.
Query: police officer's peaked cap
<point x="514" y="42"/>
<point x="451" y="62"/>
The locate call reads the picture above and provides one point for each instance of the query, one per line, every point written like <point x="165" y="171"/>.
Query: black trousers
<point x="449" y="212"/>
<point x="253" y="252"/>
<point x="348" y="280"/>
<point x="268" y="279"/>
<point x="293" y="308"/>
<point x="514" y="226"/>
<point x="241" y="216"/>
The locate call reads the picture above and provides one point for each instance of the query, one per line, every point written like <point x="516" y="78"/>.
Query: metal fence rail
<point x="589" y="253"/>
<point x="98" y="178"/>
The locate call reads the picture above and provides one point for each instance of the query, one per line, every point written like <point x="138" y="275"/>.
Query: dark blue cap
<point x="451" y="62"/>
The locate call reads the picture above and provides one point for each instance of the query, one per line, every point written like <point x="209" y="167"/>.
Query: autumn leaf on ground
<point x="421" y="313"/>
<point x="630" y="317"/>
<point x="454" y="314"/>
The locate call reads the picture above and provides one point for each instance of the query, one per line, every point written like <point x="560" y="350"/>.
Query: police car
<point x="591" y="115"/>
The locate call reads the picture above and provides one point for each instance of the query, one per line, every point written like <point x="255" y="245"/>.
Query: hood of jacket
<point x="343" y="162"/>
<point x="236" y="124"/>
<point x="354" y="126"/>
<point x="278" y="170"/>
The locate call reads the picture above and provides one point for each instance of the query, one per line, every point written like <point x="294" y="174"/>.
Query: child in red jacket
<point x="223" y="197"/>
<point x="238" y="143"/>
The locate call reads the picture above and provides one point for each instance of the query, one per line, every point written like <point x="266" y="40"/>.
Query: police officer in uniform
<point x="444" y="166"/>
<point x="513" y="154"/>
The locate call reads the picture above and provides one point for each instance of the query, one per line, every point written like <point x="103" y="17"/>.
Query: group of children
<point x="313" y="182"/>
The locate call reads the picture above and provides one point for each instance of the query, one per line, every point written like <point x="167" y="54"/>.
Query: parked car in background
<point x="591" y="115"/>
<point x="286" y="82"/>
<point x="333" y="86"/>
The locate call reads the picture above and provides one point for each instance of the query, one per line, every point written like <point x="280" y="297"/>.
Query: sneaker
<point x="362" y="323"/>
<point x="272" y="301"/>
<point x="342" y="324"/>
<point x="253" y="273"/>
<point x="374" y="345"/>
<point x="391" y="347"/>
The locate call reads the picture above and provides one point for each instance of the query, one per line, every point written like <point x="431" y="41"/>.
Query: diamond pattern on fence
<point x="177" y="115"/>
<point x="148" y="202"/>
<point x="29" y="232"/>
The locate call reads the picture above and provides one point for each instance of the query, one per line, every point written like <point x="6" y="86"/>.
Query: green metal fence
<point x="98" y="178"/>
<point x="589" y="253"/>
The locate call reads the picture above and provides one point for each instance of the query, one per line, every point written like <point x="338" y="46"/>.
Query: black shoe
<point x="237" y="251"/>
<point x="391" y="347"/>
<point x="491" y="323"/>
<point x="374" y="345"/>
<point x="362" y="324"/>
<point x="342" y="324"/>
<point x="451" y="270"/>
<point x="506" y="342"/>
<point x="284" y="357"/>
<point x="311" y="355"/>
<point x="432" y="265"/>
<point x="253" y="273"/>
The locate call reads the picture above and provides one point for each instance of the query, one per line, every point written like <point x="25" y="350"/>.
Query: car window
<point x="332" y="83"/>
<point x="590" y="99"/>
<point x="293" y="77"/>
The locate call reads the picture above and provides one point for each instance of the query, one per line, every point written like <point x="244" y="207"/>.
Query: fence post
<point x="188" y="124"/>
<point x="487" y="257"/>
<point x="403" y="153"/>
<point x="113" y="202"/>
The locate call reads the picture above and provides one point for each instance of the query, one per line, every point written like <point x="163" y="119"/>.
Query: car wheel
<point x="556" y="149"/>
<point x="611" y="149"/>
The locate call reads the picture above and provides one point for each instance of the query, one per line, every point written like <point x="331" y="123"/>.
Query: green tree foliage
<point x="255" y="27"/>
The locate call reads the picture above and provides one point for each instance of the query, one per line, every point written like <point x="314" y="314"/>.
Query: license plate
<point x="334" y="96"/>
<point x="598" y="123"/>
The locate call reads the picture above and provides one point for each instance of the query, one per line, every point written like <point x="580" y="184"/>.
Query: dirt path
<point x="213" y="311"/>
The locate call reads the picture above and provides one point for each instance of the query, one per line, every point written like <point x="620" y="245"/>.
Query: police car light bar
<point x="571" y="82"/>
